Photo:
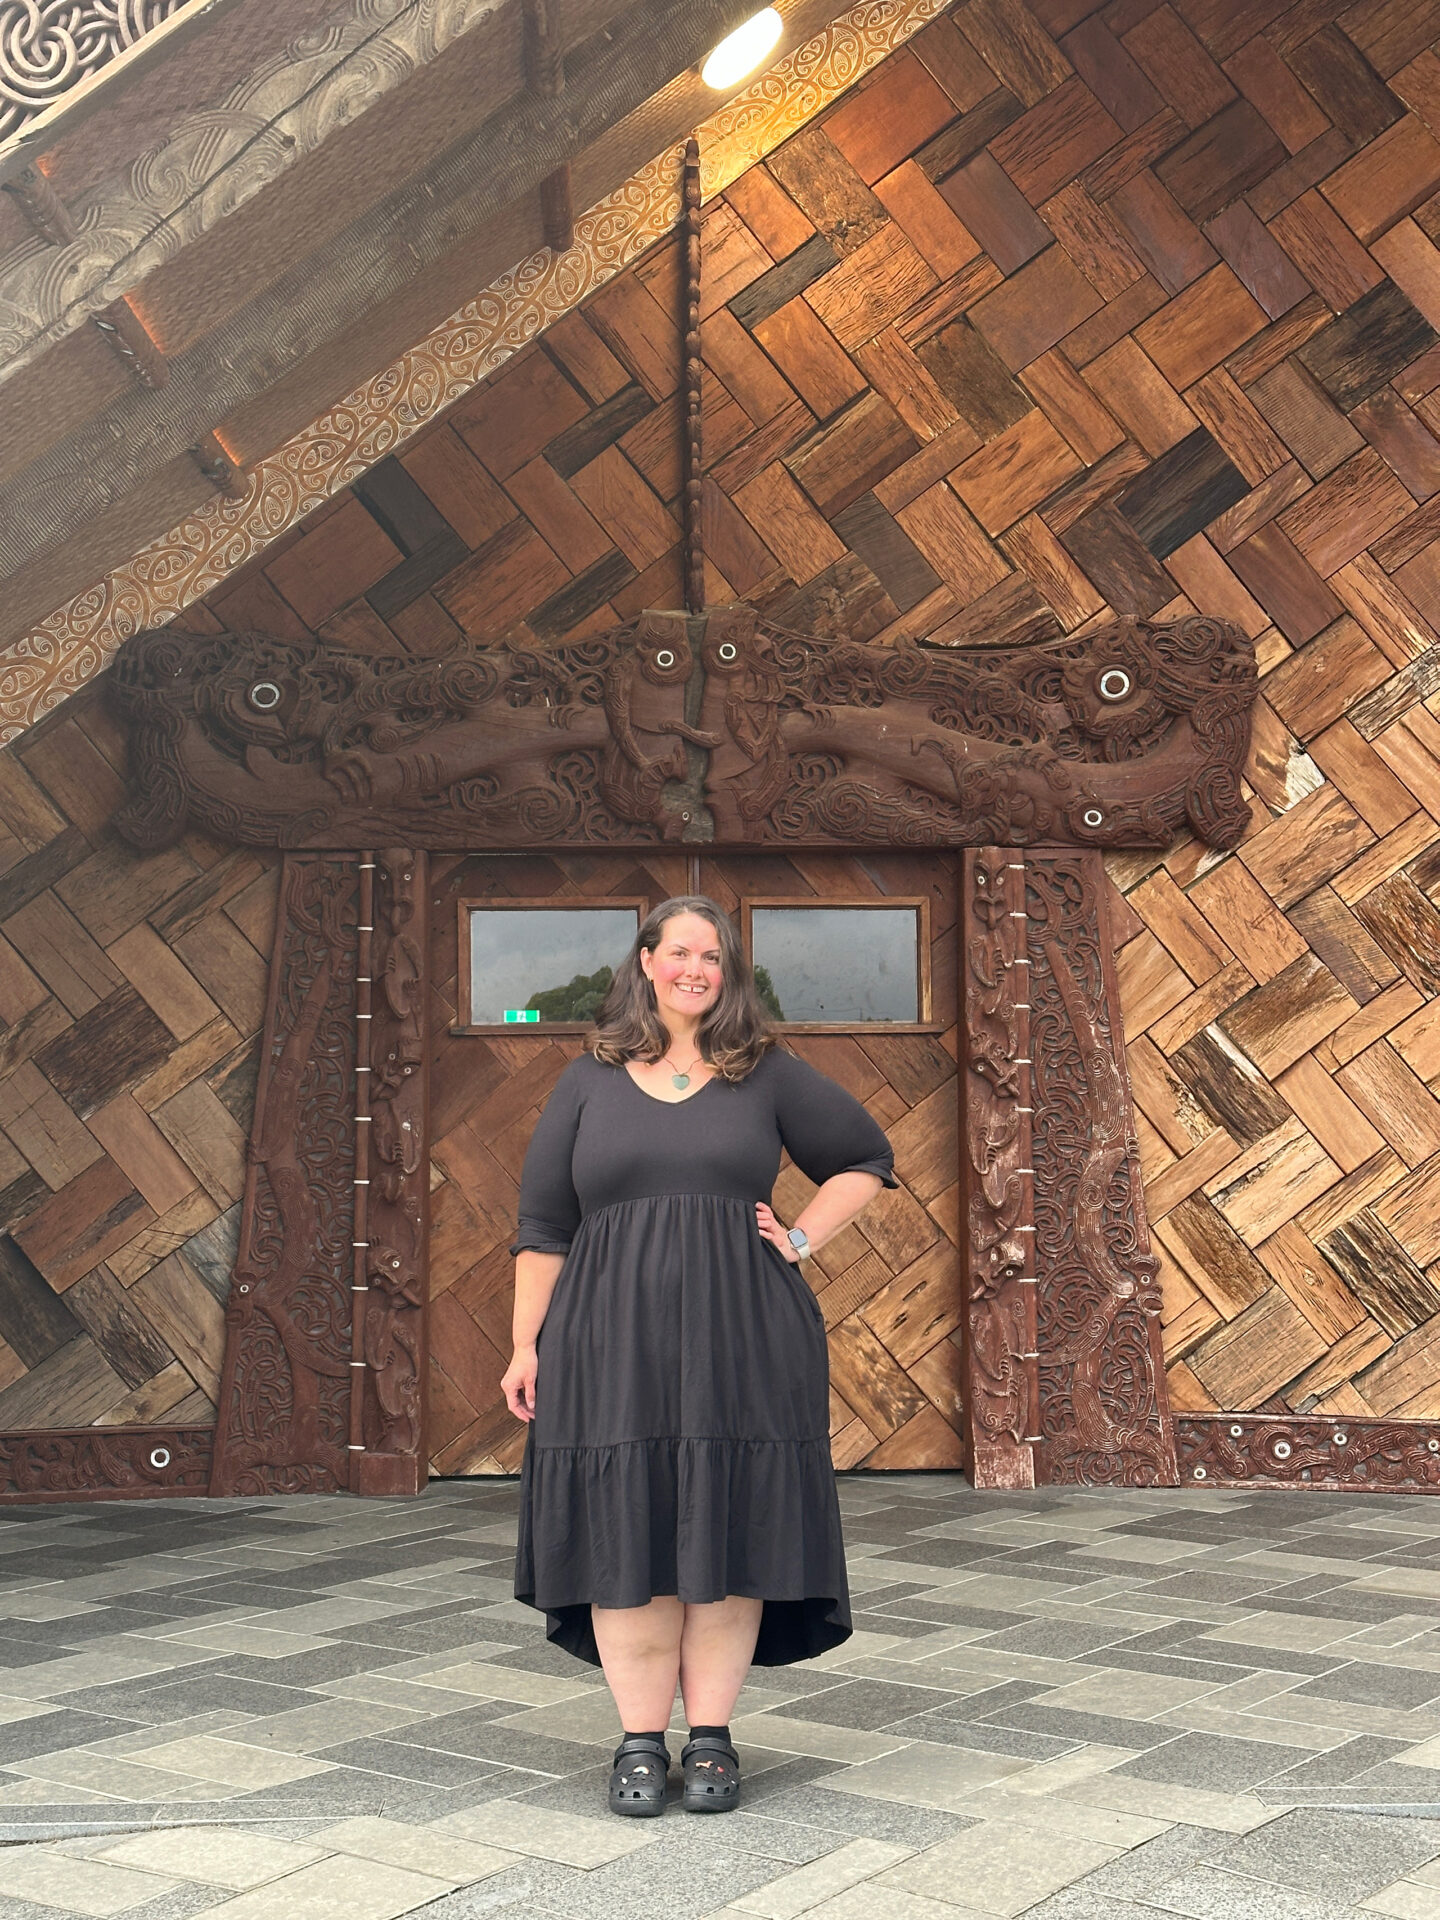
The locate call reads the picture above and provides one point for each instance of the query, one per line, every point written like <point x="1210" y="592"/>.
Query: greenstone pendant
<point x="679" y="1081"/>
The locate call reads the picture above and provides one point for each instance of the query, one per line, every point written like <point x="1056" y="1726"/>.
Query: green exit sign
<point x="521" y="1016"/>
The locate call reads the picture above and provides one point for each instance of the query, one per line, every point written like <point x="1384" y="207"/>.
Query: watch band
<point x="800" y="1240"/>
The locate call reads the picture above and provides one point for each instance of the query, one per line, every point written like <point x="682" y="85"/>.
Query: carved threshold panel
<point x="1064" y="1378"/>
<point x="103" y="1463"/>
<point x="1285" y="1450"/>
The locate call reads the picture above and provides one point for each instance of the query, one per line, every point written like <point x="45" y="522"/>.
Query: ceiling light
<point x="742" y="51"/>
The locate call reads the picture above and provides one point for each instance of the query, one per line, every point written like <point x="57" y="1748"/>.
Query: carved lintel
<point x="104" y="1463"/>
<point x="1309" y="1451"/>
<point x="1001" y="1379"/>
<point x="1104" y="1416"/>
<point x="125" y="333"/>
<point x="398" y="1167"/>
<point x="282" y="1420"/>
<point x="219" y="468"/>
<point x="714" y="728"/>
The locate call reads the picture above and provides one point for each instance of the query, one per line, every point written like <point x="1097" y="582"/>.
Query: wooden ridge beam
<point x="502" y="162"/>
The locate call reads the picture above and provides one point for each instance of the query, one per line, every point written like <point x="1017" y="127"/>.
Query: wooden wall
<point x="1068" y="309"/>
<point x="132" y="992"/>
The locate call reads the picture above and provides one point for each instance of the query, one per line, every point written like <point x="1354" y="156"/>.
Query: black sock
<point x="645" y="1736"/>
<point x="722" y="1733"/>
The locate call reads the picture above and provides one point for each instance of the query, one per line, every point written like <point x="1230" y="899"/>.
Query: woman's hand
<point x="771" y="1230"/>
<point x="518" y="1384"/>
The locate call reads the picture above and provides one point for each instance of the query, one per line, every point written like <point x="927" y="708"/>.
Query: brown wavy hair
<point x="732" y="1034"/>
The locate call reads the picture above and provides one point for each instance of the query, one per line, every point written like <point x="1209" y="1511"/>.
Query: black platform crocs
<point x="712" y="1774"/>
<point x="637" y="1786"/>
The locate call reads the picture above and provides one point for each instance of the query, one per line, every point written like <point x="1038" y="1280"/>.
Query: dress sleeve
<point x="549" y="1205"/>
<point x="825" y="1130"/>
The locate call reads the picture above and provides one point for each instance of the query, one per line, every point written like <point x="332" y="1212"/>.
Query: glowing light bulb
<point x="742" y="51"/>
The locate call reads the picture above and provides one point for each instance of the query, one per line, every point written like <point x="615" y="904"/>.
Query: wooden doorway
<point x="889" y="1286"/>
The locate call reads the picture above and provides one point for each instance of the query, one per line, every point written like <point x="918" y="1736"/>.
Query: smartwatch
<point x="798" y="1239"/>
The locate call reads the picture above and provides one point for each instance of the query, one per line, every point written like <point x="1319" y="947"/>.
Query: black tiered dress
<point x="681" y="1435"/>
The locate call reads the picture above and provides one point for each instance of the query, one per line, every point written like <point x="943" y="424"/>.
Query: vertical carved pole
<point x="283" y="1418"/>
<point x="1001" y="1390"/>
<point x="397" y="1210"/>
<point x="694" y="532"/>
<point x="1104" y="1412"/>
<point x="359" y="1243"/>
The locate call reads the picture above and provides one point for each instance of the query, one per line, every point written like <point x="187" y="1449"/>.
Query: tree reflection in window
<point x="582" y="999"/>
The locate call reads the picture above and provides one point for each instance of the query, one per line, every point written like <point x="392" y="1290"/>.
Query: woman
<point x="678" y="1510"/>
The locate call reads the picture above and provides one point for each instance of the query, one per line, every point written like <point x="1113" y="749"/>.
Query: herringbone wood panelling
<point x="131" y="990"/>
<point x="1069" y="310"/>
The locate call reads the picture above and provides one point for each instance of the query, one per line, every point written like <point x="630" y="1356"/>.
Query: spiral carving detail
<point x="49" y="46"/>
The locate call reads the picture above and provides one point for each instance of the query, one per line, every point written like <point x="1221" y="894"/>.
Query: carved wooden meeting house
<point x="977" y="517"/>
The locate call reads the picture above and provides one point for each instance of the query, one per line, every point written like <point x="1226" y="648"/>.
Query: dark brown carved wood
<point x="282" y="1424"/>
<point x="694" y="378"/>
<point x="719" y="728"/>
<point x="1285" y="1450"/>
<point x="390" y="1312"/>
<point x="1103" y="1412"/>
<point x="998" y="1246"/>
<point x="103" y="1463"/>
<point x="1064" y="1380"/>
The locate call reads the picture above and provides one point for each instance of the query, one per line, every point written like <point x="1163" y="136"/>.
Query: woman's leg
<point x="716" y="1646"/>
<point x="640" y="1653"/>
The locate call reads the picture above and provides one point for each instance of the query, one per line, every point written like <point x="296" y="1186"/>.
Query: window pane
<point x="550" y="962"/>
<point x="846" y="965"/>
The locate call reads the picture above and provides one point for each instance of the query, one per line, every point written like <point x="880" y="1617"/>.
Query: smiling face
<point x="684" y="969"/>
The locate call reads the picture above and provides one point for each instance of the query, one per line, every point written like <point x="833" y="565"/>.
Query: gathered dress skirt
<point x="680" y="1443"/>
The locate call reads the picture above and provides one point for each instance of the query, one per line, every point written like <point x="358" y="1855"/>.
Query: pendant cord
<point x="694" y="535"/>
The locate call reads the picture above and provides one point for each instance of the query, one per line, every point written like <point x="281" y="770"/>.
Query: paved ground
<point x="1062" y="1705"/>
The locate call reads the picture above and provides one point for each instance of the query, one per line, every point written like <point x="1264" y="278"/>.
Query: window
<point x="842" y="964"/>
<point x="531" y="965"/>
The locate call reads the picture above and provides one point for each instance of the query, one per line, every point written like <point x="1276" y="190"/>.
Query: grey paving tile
<point x="983" y="1738"/>
<point x="1214" y="1762"/>
<point x="455" y="1732"/>
<point x="389" y="1759"/>
<point x="1217" y="1672"/>
<point x="48" y="1732"/>
<point x="1140" y="1873"/>
<point x="953" y="1613"/>
<point x="1372" y="1685"/>
<point x="1347" y="1856"/>
<point x="1350" y="1761"/>
<point x="872" y="1703"/>
<point x="1360" y="1543"/>
<point x="161" y="1698"/>
<point x="1099" y="1729"/>
<point x="1054" y="1639"/>
<point x="1206" y="1893"/>
<point x="1237" y="1653"/>
<point x="854" y="1817"/>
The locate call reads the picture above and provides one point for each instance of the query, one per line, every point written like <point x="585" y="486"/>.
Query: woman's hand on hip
<point x="518" y="1383"/>
<point x="771" y="1230"/>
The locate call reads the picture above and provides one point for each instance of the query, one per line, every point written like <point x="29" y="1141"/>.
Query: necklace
<point x="680" y="1080"/>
